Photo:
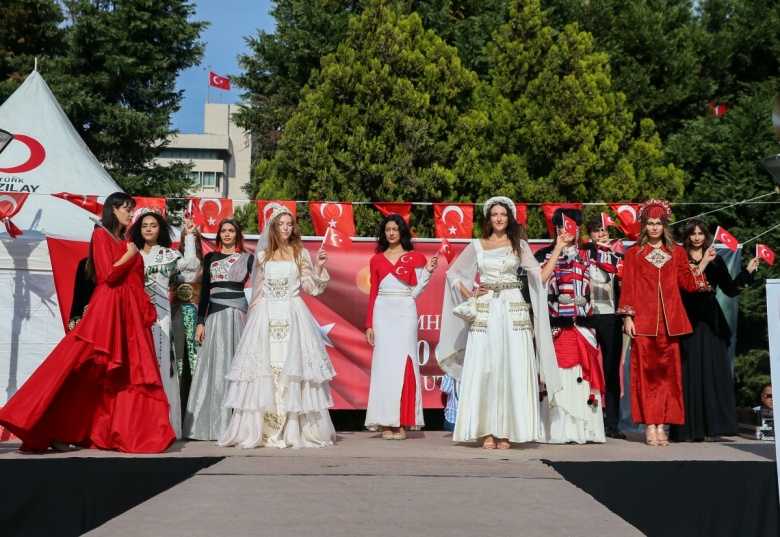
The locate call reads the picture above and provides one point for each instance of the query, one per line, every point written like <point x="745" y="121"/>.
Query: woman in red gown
<point x="100" y="387"/>
<point x="654" y="318"/>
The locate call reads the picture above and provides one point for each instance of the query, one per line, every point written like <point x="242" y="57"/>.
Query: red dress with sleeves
<point x="652" y="278"/>
<point x="100" y="387"/>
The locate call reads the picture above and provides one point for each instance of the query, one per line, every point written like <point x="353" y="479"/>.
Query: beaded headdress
<point x="146" y="210"/>
<point x="499" y="199"/>
<point x="654" y="208"/>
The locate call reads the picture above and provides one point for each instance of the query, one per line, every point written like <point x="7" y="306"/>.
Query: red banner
<point x="453" y="220"/>
<point x="209" y="212"/>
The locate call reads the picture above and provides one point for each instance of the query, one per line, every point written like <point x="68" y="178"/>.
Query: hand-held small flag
<point x="764" y="253"/>
<point x="446" y="250"/>
<point x="729" y="240"/>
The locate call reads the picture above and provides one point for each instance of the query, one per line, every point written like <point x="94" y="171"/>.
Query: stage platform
<point x="426" y="485"/>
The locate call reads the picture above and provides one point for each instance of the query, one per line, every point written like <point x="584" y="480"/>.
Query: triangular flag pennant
<point x="729" y="240"/>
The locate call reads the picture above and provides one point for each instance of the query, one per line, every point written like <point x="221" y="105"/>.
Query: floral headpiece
<point x="496" y="200"/>
<point x="655" y="208"/>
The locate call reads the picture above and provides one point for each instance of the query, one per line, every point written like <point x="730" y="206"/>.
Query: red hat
<point x="655" y="208"/>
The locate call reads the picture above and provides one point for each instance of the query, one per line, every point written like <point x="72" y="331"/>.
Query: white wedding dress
<point x="279" y="378"/>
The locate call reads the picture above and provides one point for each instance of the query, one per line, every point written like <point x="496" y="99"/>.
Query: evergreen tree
<point x="382" y="120"/>
<point x="656" y="51"/>
<point x="29" y="30"/>
<point x="557" y="129"/>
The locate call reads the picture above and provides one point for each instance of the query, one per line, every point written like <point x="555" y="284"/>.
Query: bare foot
<point x="489" y="442"/>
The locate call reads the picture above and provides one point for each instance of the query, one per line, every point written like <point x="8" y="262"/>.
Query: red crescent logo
<point x="37" y="155"/>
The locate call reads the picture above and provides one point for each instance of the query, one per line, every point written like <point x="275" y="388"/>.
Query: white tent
<point x="47" y="156"/>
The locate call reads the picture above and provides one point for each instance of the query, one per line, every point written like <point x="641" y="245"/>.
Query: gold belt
<point x="186" y="293"/>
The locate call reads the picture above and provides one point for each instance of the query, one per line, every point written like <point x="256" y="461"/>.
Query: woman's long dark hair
<point x="514" y="229"/>
<point x="239" y="234"/>
<point x="403" y="230"/>
<point x="690" y="227"/>
<point x="117" y="200"/>
<point x="163" y="238"/>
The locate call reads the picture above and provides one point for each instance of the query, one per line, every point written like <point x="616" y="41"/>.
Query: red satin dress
<point x="100" y="387"/>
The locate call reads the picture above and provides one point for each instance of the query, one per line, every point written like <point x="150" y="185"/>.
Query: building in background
<point x="222" y="155"/>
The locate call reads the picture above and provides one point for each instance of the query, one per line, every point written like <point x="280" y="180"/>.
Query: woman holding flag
<point x="398" y="276"/>
<point x="498" y="346"/>
<point x="654" y="318"/>
<point x="707" y="384"/>
<point x="280" y="376"/>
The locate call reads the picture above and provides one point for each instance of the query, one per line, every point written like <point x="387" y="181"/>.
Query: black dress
<point x="708" y="386"/>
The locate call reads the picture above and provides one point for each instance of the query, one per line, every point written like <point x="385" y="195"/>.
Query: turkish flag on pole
<point x="329" y="214"/>
<point x="453" y="220"/>
<point x="87" y="202"/>
<point x="522" y="213"/>
<point x="141" y="203"/>
<point x="337" y="238"/>
<point x="729" y="240"/>
<point x="764" y="253"/>
<point x="446" y="250"/>
<point x="219" y="81"/>
<point x="549" y="208"/>
<point x="266" y="207"/>
<point x="569" y="226"/>
<point x="11" y="204"/>
<point x="607" y="221"/>
<point x="627" y="214"/>
<point x="209" y="212"/>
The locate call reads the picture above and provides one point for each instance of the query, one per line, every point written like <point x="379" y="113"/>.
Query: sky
<point x="231" y="21"/>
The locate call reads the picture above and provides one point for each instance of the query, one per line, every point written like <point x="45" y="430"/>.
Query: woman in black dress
<point x="708" y="386"/>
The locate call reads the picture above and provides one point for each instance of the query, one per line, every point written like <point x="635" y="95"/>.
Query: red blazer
<point x="649" y="291"/>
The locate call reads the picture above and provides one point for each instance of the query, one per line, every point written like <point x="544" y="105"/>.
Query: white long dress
<point x="394" y="320"/>
<point x="500" y="367"/>
<point x="160" y="266"/>
<point x="279" y="378"/>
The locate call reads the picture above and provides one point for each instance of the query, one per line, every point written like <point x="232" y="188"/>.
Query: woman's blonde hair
<point x="275" y="239"/>
<point x="667" y="238"/>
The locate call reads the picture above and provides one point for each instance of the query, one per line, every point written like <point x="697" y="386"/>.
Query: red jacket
<point x="648" y="290"/>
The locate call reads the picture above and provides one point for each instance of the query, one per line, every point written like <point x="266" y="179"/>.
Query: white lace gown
<point x="500" y="367"/>
<point x="279" y="378"/>
<point x="160" y="266"/>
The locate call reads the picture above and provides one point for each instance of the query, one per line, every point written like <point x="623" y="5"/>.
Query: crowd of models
<point x="162" y="343"/>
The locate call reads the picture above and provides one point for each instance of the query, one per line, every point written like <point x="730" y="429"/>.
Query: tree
<point x="30" y="30"/>
<point x="382" y="120"/>
<point x="656" y="51"/>
<point x="117" y="85"/>
<point x="557" y="130"/>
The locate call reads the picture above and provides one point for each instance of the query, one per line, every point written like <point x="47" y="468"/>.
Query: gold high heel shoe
<point x="650" y="435"/>
<point x="661" y="431"/>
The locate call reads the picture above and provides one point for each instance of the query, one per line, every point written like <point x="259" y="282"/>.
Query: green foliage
<point x="557" y="130"/>
<point x="751" y="374"/>
<point x="114" y="72"/>
<point x="382" y="120"/>
<point x="656" y="51"/>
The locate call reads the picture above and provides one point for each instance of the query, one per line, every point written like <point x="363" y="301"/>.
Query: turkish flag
<point x="209" y="212"/>
<point x="11" y="204"/>
<point x="549" y="208"/>
<point x="337" y="238"/>
<point x="219" y="81"/>
<point x="141" y="203"/>
<point x="453" y="220"/>
<point x="339" y="215"/>
<point x="607" y="221"/>
<point x="764" y="253"/>
<point x="266" y="207"/>
<point x="87" y="202"/>
<point x="627" y="214"/>
<point x="446" y="250"/>
<point x="729" y="240"/>
<point x="403" y="210"/>
<point x="569" y="226"/>
<point x="522" y="213"/>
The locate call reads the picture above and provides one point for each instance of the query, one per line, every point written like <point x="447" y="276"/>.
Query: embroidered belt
<point x="186" y="293"/>
<point x="400" y="292"/>
<point x="565" y="299"/>
<point x="498" y="287"/>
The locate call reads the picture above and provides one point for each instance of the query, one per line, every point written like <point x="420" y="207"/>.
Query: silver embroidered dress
<point x="279" y="379"/>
